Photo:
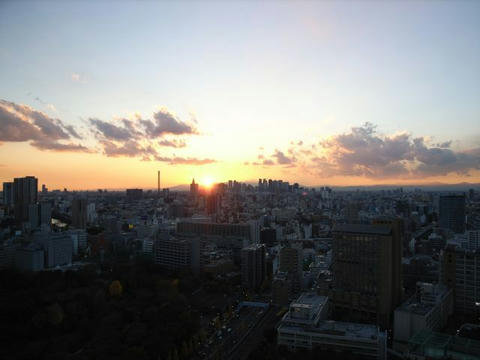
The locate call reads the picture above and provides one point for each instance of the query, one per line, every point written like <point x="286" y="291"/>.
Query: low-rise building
<point x="305" y="326"/>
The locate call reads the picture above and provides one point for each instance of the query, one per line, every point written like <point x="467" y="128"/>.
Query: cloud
<point x="56" y="146"/>
<point x="173" y="143"/>
<point x="119" y="138"/>
<point x="191" y="161"/>
<point x="21" y="123"/>
<point x="282" y="159"/>
<point x="110" y="131"/>
<point x="78" y="78"/>
<point x="142" y="137"/>
<point x="184" y="161"/>
<point x="164" y="122"/>
<point x="362" y="152"/>
<point x="278" y="158"/>
<point x="442" y="161"/>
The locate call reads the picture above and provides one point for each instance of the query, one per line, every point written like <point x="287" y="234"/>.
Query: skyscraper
<point x="79" y="213"/>
<point x="193" y="188"/>
<point x="291" y="262"/>
<point x="8" y="193"/>
<point x="253" y="266"/>
<point x="365" y="282"/>
<point x="452" y="212"/>
<point x="25" y="193"/>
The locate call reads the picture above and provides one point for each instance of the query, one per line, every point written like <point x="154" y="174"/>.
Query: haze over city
<point x="239" y="180"/>
<point x="102" y="95"/>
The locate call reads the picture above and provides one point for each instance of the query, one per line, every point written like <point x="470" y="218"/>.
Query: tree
<point x="115" y="289"/>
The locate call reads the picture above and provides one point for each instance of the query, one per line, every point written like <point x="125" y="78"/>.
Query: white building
<point x="304" y="326"/>
<point x="428" y="309"/>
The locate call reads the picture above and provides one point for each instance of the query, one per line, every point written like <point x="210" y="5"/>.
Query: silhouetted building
<point x="29" y="259"/>
<point x="291" y="262"/>
<point x="25" y="193"/>
<point x="452" y="212"/>
<point x="193" y="188"/>
<point x="8" y="198"/>
<point x="134" y="194"/>
<point x="364" y="258"/>
<point x="253" y="266"/>
<point x="247" y="231"/>
<point x="79" y="213"/>
<point x="268" y="236"/>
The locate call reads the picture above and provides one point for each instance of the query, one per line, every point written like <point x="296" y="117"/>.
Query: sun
<point x="207" y="181"/>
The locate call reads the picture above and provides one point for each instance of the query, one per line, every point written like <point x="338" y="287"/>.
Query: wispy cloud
<point x="76" y="77"/>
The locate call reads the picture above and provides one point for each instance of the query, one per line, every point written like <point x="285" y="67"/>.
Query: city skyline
<point x="316" y="93"/>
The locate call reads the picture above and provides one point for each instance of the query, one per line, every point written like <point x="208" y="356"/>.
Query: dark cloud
<point x="20" y="123"/>
<point x="442" y="161"/>
<point x="164" y="122"/>
<point x="112" y="132"/>
<point x="130" y="148"/>
<point x="268" y="162"/>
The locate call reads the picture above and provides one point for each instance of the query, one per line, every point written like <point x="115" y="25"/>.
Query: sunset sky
<point x="104" y="94"/>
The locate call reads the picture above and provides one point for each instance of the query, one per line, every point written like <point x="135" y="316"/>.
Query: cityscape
<point x="239" y="180"/>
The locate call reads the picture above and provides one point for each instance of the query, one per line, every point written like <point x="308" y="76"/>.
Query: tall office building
<point x="452" y="212"/>
<point x="8" y="193"/>
<point x="365" y="282"/>
<point x="193" y="188"/>
<point x="25" y="193"/>
<point x="79" y="213"/>
<point x="253" y="265"/>
<point x="460" y="271"/>
<point x="398" y="234"/>
<point x="291" y="262"/>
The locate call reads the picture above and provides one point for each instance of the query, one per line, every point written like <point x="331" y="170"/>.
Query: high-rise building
<point x="25" y="193"/>
<point x="452" y="212"/>
<point x="253" y="265"/>
<point x="8" y="193"/>
<point x="460" y="271"/>
<point x="79" y="213"/>
<point x="291" y="262"/>
<point x="365" y="282"/>
<point x="193" y="188"/>
<point x="45" y="213"/>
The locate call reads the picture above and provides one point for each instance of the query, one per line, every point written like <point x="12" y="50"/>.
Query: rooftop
<point x="339" y="328"/>
<point x="363" y="229"/>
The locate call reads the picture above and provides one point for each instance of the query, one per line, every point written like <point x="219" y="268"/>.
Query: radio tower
<point x="158" y="189"/>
